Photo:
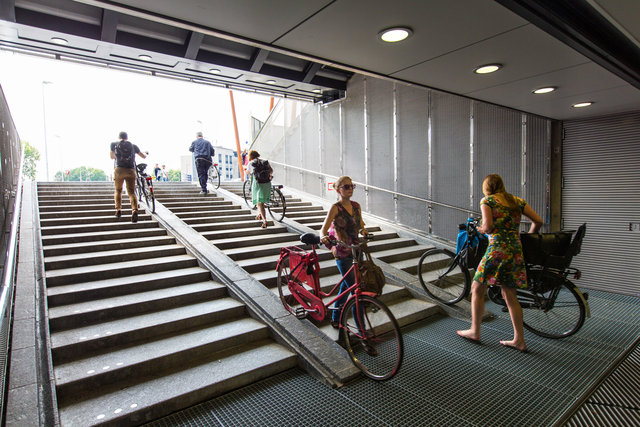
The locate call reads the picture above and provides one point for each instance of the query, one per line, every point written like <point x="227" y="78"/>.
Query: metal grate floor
<point x="444" y="380"/>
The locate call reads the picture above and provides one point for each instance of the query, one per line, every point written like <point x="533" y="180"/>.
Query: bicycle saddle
<point x="310" y="239"/>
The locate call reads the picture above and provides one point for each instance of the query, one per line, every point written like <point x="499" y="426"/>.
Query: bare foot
<point x="468" y="334"/>
<point x="522" y="347"/>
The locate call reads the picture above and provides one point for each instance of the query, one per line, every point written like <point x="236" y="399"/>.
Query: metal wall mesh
<point x="432" y="146"/>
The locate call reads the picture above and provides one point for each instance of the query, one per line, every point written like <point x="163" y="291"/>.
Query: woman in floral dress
<point x="502" y="263"/>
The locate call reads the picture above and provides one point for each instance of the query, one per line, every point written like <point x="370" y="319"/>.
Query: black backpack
<point x="124" y="154"/>
<point x="261" y="170"/>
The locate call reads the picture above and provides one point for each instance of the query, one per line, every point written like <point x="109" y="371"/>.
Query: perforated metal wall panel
<point x="310" y="149"/>
<point x="450" y="161"/>
<point x="412" y="106"/>
<point x="417" y="142"/>
<point x="354" y="133"/>
<point x="380" y="146"/>
<point x="601" y="165"/>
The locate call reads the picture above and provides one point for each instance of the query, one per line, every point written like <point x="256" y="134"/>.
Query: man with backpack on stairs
<point x="123" y="152"/>
<point x="202" y="151"/>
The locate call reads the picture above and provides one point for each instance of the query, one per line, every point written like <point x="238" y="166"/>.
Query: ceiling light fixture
<point x="546" y="89"/>
<point x="271" y="82"/>
<point x="59" y="40"/>
<point x="488" y="68"/>
<point x="144" y="57"/>
<point x="395" y="34"/>
<point x="316" y="91"/>
<point x="214" y="71"/>
<point x="582" y="104"/>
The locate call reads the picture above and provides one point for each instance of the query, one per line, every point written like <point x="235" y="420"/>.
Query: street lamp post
<point x="44" y="120"/>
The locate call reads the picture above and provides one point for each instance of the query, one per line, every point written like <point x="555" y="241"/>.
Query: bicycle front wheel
<point x="372" y="337"/>
<point x="214" y="176"/>
<point x="246" y="193"/>
<point x="277" y="205"/>
<point x="442" y="276"/>
<point x="555" y="314"/>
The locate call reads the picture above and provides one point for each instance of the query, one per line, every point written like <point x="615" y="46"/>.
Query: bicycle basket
<point x="548" y="249"/>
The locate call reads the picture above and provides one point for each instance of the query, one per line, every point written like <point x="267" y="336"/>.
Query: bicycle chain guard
<point x="311" y="304"/>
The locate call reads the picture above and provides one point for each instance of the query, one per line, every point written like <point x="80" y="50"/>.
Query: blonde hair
<point x="340" y="180"/>
<point x="493" y="184"/>
<point x="253" y="154"/>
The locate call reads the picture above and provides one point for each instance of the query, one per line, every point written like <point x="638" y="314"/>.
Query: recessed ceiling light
<point x="317" y="91"/>
<point x="486" y="69"/>
<point x="144" y="57"/>
<point x="395" y="34"/>
<point x="59" y="40"/>
<point x="544" y="90"/>
<point x="582" y="104"/>
<point x="271" y="82"/>
<point x="215" y="71"/>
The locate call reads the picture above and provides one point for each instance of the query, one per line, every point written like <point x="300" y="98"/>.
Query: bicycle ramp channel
<point x="138" y="329"/>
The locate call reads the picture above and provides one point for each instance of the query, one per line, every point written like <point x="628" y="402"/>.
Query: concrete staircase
<point x="138" y="329"/>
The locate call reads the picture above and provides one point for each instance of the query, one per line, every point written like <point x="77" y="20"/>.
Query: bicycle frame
<point x="311" y="302"/>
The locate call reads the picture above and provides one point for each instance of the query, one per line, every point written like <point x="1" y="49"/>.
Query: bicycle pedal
<point x="301" y="313"/>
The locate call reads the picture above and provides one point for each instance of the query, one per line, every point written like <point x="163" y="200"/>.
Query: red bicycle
<point x="367" y="328"/>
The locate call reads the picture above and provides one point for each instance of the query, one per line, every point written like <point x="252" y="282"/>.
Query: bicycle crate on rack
<point x="547" y="249"/>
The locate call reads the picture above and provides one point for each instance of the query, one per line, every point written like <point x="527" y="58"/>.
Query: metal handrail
<point x="373" y="187"/>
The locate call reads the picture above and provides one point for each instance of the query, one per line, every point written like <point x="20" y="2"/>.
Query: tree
<point x="174" y="175"/>
<point x="31" y="156"/>
<point x="81" y="174"/>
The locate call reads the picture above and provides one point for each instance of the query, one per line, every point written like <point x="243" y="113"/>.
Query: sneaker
<point x="134" y="216"/>
<point x="204" y="192"/>
<point x="335" y="324"/>
<point x="118" y="214"/>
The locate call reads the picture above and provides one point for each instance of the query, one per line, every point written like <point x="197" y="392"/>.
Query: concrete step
<point x="102" y="219"/>
<point x="115" y="225"/>
<point x="135" y="403"/>
<point x="237" y="215"/>
<point x="87" y="291"/>
<point x="89" y="213"/>
<point x="272" y="249"/>
<point x="107" y="257"/>
<point x="67" y="276"/>
<point x="83" y="339"/>
<point x="211" y="213"/>
<point x="90" y="372"/>
<point x="132" y="233"/>
<point x="270" y="235"/>
<point x="107" y="245"/>
<point x="104" y="310"/>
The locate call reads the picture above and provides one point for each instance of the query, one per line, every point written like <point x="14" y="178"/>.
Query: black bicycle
<point x="214" y="176"/>
<point x="144" y="187"/>
<point x="277" y="205"/>
<point x="553" y="306"/>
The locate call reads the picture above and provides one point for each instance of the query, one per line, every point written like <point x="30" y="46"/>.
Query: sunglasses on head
<point x="348" y="186"/>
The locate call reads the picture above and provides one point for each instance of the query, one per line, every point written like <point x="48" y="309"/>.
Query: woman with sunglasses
<point x="344" y="223"/>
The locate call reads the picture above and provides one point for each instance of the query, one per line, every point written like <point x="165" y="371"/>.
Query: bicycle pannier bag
<point x="476" y="251"/>
<point x="548" y="249"/>
<point x="371" y="276"/>
<point x="261" y="171"/>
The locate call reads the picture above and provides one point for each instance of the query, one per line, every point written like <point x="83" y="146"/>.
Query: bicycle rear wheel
<point x="151" y="198"/>
<point x="277" y="204"/>
<point x="372" y="337"/>
<point x="284" y="275"/>
<point x="214" y="176"/>
<point x="142" y="193"/>
<point x="442" y="276"/>
<point x="246" y="193"/>
<point x="551" y="317"/>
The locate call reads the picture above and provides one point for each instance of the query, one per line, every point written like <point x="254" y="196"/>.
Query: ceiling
<point x="308" y="49"/>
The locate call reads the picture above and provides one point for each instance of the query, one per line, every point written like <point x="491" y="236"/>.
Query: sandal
<point x="264" y="225"/>
<point x="259" y="217"/>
